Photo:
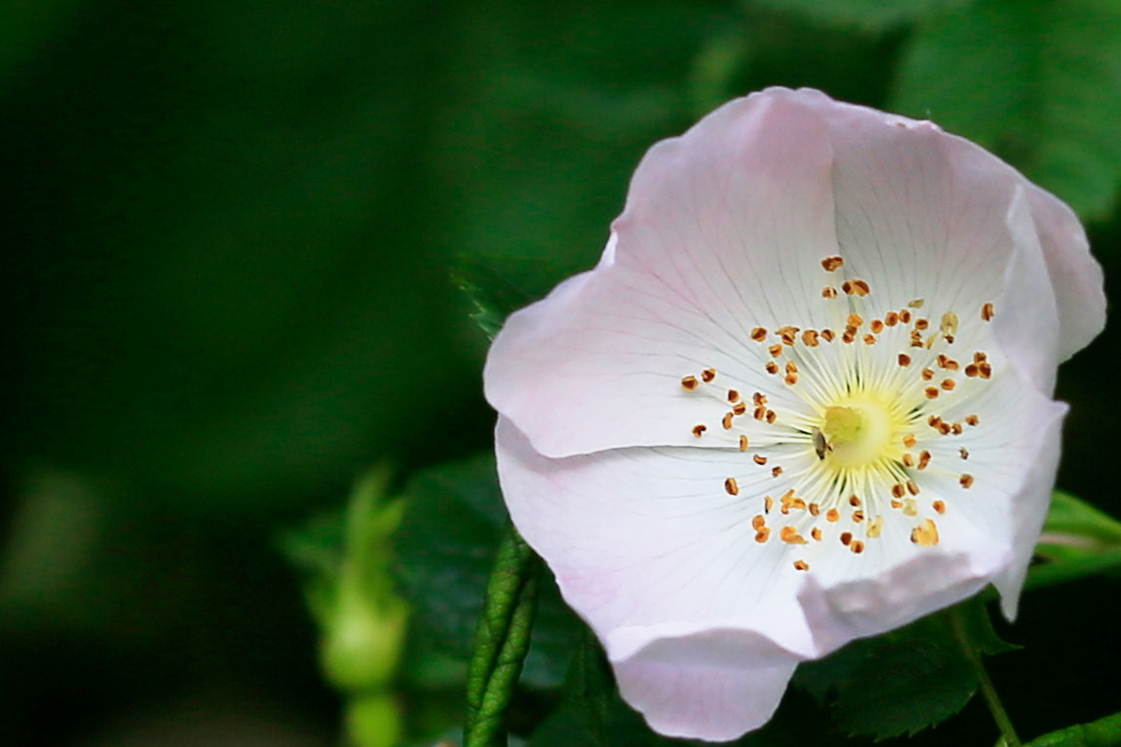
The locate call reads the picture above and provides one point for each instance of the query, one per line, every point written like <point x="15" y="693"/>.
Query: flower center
<point x="850" y="425"/>
<point x="857" y="432"/>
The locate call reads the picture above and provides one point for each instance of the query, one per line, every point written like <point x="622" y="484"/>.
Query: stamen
<point x="731" y="487"/>
<point x="926" y="534"/>
<point x="758" y="334"/>
<point x="987" y="312"/>
<point x="690" y="383"/>
<point x="708" y="374"/>
<point x="966" y="481"/>
<point x="832" y="263"/>
<point x="790" y="536"/>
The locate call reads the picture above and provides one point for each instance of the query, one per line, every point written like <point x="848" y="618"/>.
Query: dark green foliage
<point x="905" y="680"/>
<point x="1037" y="81"/>
<point x="445" y="551"/>
<point x="867" y="15"/>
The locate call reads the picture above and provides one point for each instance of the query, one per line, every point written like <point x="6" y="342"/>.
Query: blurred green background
<point x="229" y="236"/>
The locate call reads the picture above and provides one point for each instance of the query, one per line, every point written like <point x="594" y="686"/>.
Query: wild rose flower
<point x="804" y="397"/>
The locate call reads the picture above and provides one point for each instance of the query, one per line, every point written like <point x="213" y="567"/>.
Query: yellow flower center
<point x="854" y="422"/>
<point x="858" y="432"/>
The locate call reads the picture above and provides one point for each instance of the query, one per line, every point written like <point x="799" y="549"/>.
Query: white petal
<point x="986" y="534"/>
<point x="1027" y="323"/>
<point x="647" y="541"/>
<point x="1075" y="275"/>
<point x="1029" y="509"/>
<point x="723" y="231"/>
<point x="713" y="685"/>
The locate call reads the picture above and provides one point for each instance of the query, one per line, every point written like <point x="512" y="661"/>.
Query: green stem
<point x="501" y="641"/>
<point x="992" y="700"/>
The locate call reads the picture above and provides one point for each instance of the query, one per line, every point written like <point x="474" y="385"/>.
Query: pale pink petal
<point x="922" y="215"/>
<point x="713" y="685"/>
<point x="648" y="540"/>
<point x="1029" y="509"/>
<point x="1075" y="275"/>
<point x="1026" y="325"/>
<point x="723" y="231"/>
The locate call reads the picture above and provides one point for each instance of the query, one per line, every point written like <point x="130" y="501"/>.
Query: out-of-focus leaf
<point x="1039" y="82"/>
<point x="1074" y="529"/>
<point x="445" y="550"/>
<point x="500" y="286"/>
<point x="1105" y="732"/>
<point x="722" y="58"/>
<point x="870" y="15"/>
<point x="905" y="680"/>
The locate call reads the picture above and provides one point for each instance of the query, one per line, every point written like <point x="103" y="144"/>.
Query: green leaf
<point x="589" y="688"/>
<point x="1075" y="529"/>
<point x="905" y="680"/>
<point x="1105" y="732"/>
<point x="1078" y="540"/>
<point x="870" y="15"/>
<point x="445" y="549"/>
<point x="1037" y="82"/>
